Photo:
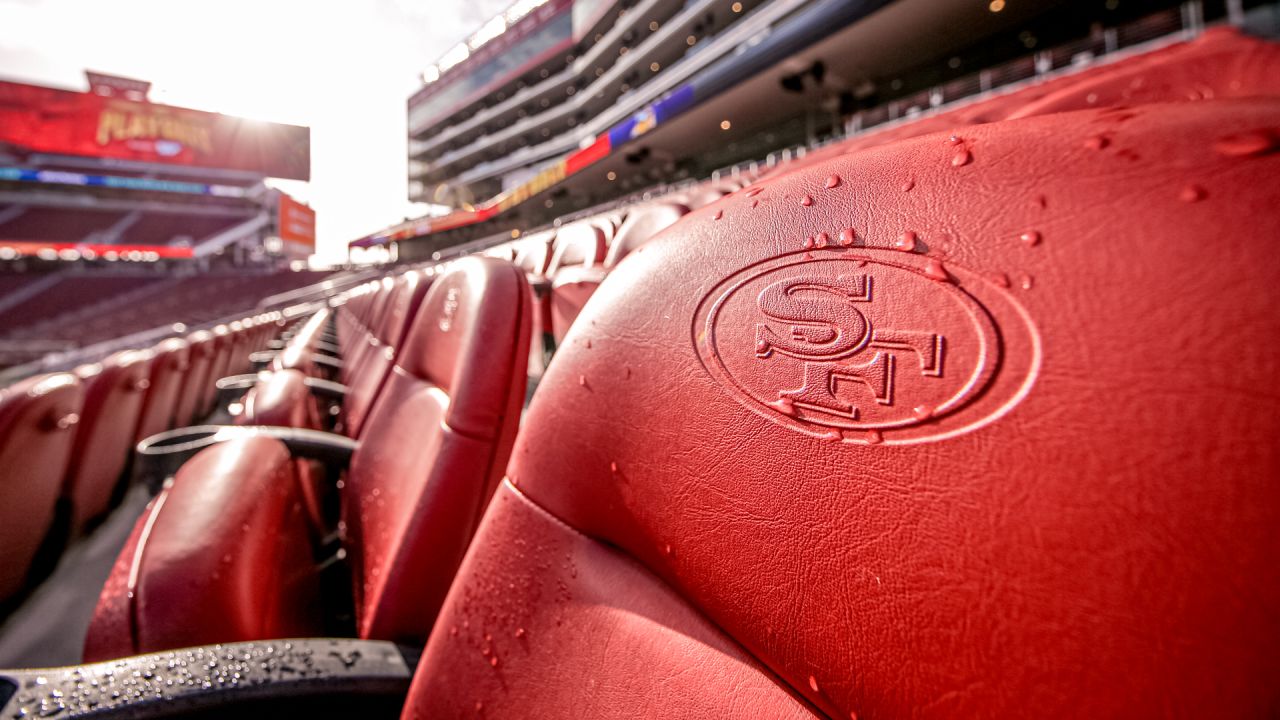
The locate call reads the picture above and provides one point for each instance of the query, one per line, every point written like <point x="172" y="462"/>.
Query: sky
<point x="345" y="69"/>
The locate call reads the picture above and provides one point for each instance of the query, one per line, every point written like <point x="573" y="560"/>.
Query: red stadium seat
<point x="534" y="258"/>
<point x="37" y="420"/>
<point x="434" y="448"/>
<point x="573" y="286"/>
<point x="164" y="386"/>
<point x="366" y="381"/>
<point x="201" y="353"/>
<point x="1007" y="442"/>
<point x="114" y="390"/>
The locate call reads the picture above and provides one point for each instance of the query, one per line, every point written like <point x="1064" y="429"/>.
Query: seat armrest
<point x="233" y="387"/>
<point x="312" y="677"/>
<point x="326" y="389"/>
<point x="160" y="456"/>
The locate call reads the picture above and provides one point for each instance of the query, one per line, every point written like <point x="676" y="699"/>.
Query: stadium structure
<point x="132" y="215"/>
<point x="777" y="359"/>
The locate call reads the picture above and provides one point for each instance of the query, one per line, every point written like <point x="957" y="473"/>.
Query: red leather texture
<point x="570" y="290"/>
<point x="280" y="398"/>
<point x="37" y="426"/>
<point x="168" y="372"/>
<point x="573" y="286"/>
<point x="283" y="399"/>
<point x="641" y="225"/>
<point x="113" y="393"/>
<point x="222" y="557"/>
<point x="1007" y="443"/>
<point x="368" y="377"/>
<point x="112" y="632"/>
<point x="435" y="445"/>
<point x="232" y="528"/>
<point x="297" y="354"/>
<point x="200" y="356"/>
<point x="578" y="243"/>
<point x="548" y="623"/>
<point x="218" y="367"/>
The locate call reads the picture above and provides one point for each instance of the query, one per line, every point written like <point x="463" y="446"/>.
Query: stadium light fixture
<point x="455" y="55"/>
<point x="487" y="32"/>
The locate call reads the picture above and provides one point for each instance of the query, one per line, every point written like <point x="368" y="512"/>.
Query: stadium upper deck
<point x="559" y="106"/>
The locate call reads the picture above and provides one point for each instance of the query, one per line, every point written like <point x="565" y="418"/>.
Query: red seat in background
<point x="1009" y="444"/>
<point x="225" y="554"/>
<point x="114" y="391"/>
<point x="167" y="376"/>
<point x="201" y="354"/>
<point x="38" y="416"/>
<point x="573" y="286"/>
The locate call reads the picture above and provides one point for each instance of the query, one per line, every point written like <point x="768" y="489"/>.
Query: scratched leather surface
<point x="1101" y="547"/>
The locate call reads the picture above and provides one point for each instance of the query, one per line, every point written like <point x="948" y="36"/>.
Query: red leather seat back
<point x="435" y="445"/>
<point x="368" y="379"/>
<point x="573" y="286"/>
<point x="534" y="252"/>
<point x="114" y="391"/>
<point x="37" y="426"/>
<point x="167" y="373"/>
<point x="297" y="355"/>
<point x="201" y="350"/>
<point x="578" y="243"/>
<point x="535" y="259"/>
<point x="218" y="366"/>
<point x="1026" y="460"/>
<point x="641" y="225"/>
<point x="248" y="572"/>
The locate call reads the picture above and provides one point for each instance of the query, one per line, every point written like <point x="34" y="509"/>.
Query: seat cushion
<point x="38" y="417"/>
<point x="221" y="555"/>
<point x="114" y="390"/>
<point x="1001" y="440"/>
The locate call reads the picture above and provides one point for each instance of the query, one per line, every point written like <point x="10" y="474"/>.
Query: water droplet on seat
<point x="1097" y="142"/>
<point x="1000" y="279"/>
<point x="934" y="270"/>
<point x="906" y="242"/>
<point x="874" y="437"/>
<point x="822" y="239"/>
<point x="833" y="181"/>
<point x="809" y="243"/>
<point x="847" y="237"/>
<point x="908" y="185"/>
<point x="1245" y="144"/>
<point x="806" y="201"/>
<point x="1031" y="238"/>
<point x="1192" y="193"/>
<point x="962" y="158"/>
<point x="813" y="683"/>
<point x="955" y="140"/>
<point x="719" y="214"/>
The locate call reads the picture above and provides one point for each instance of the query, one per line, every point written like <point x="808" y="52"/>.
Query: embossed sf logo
<point x="867" y="346"/>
